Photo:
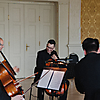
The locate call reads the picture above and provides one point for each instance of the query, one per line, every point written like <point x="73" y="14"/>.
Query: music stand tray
<point x="51" y="78"/>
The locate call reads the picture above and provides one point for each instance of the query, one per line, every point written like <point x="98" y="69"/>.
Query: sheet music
<point x="45" y="80"/>
<point x="56" y="80"/>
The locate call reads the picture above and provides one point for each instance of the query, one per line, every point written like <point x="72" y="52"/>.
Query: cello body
<point x="8" y="79"/>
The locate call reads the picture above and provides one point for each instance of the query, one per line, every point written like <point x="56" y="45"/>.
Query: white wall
<point x="70" y="27"/>
<point x="75" y="27"/>
<point x="63" y="29"/>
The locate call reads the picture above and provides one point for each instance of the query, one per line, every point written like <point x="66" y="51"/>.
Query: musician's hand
<point x="17" y="97"/>
<point x="54" y="56"/>
<point x="16" y="69"/>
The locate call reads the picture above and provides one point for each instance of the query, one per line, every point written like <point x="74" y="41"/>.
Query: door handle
<point x="27" y="47"/>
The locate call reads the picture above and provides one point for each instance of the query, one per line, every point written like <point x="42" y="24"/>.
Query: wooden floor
<point x="72" y="92"/>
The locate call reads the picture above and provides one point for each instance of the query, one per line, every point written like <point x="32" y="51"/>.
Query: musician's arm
<point x="79" y="86"/>
<point x="78" y="82"/>
<point x="40" y="61"/>
<point x="39" y="65"/>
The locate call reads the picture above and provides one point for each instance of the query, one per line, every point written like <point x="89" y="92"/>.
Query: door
<point x="31" y="37"/>
<point x="30" y="27"/>
<point x="16" y="36"/>
<point x="47" y="24"/>
<point x="39" y="27"/>
<point x="4" y="27"/>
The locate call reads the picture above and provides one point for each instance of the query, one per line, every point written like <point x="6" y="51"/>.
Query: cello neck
<point x="8" y="63"/>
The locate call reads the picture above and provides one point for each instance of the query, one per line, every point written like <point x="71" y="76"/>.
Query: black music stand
<point x="31" y="91"/>
<point x="53" y="78"/>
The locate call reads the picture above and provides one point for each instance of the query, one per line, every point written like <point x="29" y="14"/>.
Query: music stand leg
<point x="52" y="97"/>
<point x="30" y="92"/>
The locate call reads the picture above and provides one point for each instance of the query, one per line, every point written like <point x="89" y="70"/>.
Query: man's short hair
<point x="90" y="44"/>
<point x="51" y="41"/>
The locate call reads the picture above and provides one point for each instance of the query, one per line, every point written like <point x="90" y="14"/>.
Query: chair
<point x="71" y="65"/>
<point x="74" y="58"/>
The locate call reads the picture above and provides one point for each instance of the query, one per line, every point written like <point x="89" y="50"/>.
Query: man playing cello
<point x="3" y="93"/>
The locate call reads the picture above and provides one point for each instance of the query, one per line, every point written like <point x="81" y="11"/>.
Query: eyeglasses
<point x="1" y="44"/>
<point x="50" y="48"/>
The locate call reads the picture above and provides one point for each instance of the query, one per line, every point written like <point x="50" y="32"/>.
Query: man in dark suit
<point x="42" y="56"/>
<point x="3" y="94"/>
<point x="87" y="71"/>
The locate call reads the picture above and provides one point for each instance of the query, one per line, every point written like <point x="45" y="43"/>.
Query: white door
<point x="47" y="24"/>
<point x="4" y="27"/>
<point x="30" y="26"/>
<point x="31" y="37"/>
<point x="16" y="36"/>
<point x="39" y="27"/>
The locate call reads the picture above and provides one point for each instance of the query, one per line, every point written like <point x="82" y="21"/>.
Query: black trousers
<point x="40" y="94"/>
<point x="62" y="97"/>
<point x="3" y="93"/>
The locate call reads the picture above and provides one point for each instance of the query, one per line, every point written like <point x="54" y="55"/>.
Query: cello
<point x="8" y="79"/>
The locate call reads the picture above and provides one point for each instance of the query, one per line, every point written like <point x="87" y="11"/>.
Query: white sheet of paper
<point x="45" y="80"/>
<point x="56" y="80"/>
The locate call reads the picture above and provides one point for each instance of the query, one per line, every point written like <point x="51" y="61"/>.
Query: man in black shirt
<point x="42" y="56"/>
<point x="45" y="55"/>
<point x="87" y="71"/>
<point x="3" y="93"/>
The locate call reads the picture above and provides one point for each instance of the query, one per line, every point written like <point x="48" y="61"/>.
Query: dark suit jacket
<point x="42" y="56"/>
<point x="87" y="75"/>
<point x="3" y="93"/>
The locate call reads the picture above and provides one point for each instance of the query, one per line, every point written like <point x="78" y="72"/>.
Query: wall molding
<point x="74" y="45"/>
